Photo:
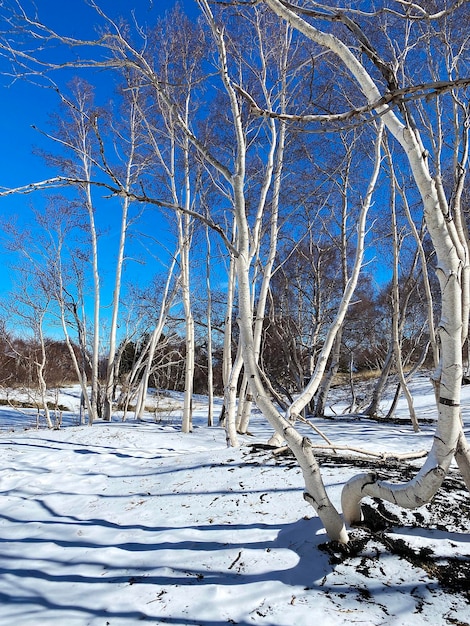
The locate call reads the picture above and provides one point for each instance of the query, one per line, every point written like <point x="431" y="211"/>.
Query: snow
<point x="126" y="523"/>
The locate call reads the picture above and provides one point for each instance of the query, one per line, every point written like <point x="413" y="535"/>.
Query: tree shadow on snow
<point x="244" y="554"/>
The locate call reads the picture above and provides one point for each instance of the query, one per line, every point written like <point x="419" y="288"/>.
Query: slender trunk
<point x="245" y="401"/>
<point x="189" y="324"/>
<point x="79" y="369"/>
<point x="396" y="308"/>
<point x="336" y="351"/>
<point x="129" y="177"/>
<point x="273" y="177"/>
<point x="301" y="447"/>
<point x="110" y="370"/>
<point x="40" y="366"/>
<point x="231" y="401"/>
<point x="184" y="239"/>
<point x="380" y="385"/>
<point x="393" y="405"/>
<point x="426" y="282"/>
<point x="227" y="365"/>
<point x="165" y="304"/>
<point x="210" y="372"/>
<point x="95" y="349"/>
<point x="268" y="267"/>
<point x="325" y="387"/>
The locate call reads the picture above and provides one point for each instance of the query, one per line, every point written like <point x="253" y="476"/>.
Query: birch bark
<point x="131" y="173"/>
<point x="167" y="299"/>
<point x="210" y="369"/>
<point x="452" y="269"/>
<point x="301" y="446"/>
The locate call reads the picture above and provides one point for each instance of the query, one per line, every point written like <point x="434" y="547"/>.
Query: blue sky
<point x="23" y="106"/>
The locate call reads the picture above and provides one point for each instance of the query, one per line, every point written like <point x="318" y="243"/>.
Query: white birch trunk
<point x="95" y="348"/>
<point x="396" y="309"/>
<point x="301" y="447"/>
<point x="230" y="399"/>
<point x="184" y="228"/>
<point x="40" y="366"/>
<point x="111" y="369"/>
<point x="268" y="267"/>
<point x="165" y="305"/>
<point x="272" y="180"/>
<point x="210" y="372"/>
<point x="244" y="407"/>
<point x="129" y="177"/>
<point x="184" y="222"/>
<point x="452" y="255"/>
<point x="84" y="152"/>
<point x="324" y="389"/>
<point x="229" y="377"/>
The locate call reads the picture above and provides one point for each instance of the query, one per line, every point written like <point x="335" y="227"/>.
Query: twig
<point x="236" y="560"/>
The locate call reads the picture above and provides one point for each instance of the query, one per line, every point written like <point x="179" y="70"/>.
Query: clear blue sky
<point x="23" y="106"/>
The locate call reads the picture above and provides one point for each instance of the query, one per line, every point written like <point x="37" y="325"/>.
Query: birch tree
<point x="130" y="145"/>
<point x="28" y="306"/>
<point x="81" y="141"/>
<point x="210" y="369"/>
<point x="179" y="60"/>
<point x="444" y="221"/>
<point x="376" y="95"/>
<point x="75" y="135"/>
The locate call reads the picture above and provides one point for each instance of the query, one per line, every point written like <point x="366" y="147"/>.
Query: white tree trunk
<point x="40" y="367"/>
<point x="279" y="143"/>
<point x="396" y="308"/>
<point x="230" y="375"/>
<point x="185" y="238"/>
<point x="95" y="348"/>
<point x="452" y="255"/>
<point x="210" y="369"/>
<point x="111" y="369"/>
<point x="131" y="172"/>
<point x="230" y="399"/>
<point x="167" y="299"/>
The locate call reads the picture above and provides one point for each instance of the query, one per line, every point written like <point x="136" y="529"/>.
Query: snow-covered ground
<point x="127" y="523"/>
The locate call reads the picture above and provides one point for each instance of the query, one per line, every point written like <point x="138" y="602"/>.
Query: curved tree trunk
<point x="301" y="447"/>
<point x="452" y="269"/>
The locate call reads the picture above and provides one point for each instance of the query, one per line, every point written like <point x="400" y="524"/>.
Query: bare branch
<point x="422" y="13"/>
<point x="121" y="192"/>
<point x="327" y="12"/>
<point x="389" y="99"/>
